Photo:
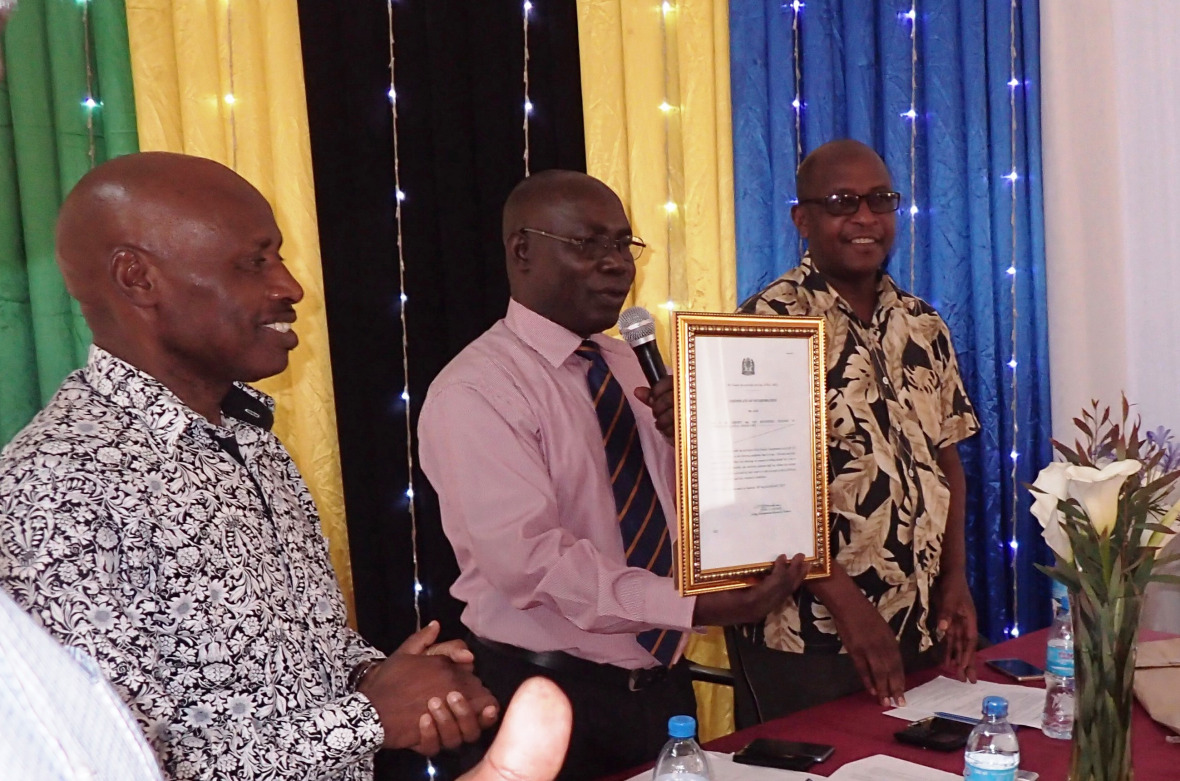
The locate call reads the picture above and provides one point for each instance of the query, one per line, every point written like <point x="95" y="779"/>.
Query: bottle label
<point x="1059" y="661"/>
<point x="989" y="774"/>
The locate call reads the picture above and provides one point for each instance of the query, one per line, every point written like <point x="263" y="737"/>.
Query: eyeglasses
<point x="843" y="204"/>
<point x="597" y="247"/>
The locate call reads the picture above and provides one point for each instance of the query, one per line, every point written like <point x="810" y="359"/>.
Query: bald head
<point x="808" y="178"/>
<point x="155" y="202"/>
<point x="547" y="191"/>
<point x="551" y="270"/>
<point x="175" y="261"/>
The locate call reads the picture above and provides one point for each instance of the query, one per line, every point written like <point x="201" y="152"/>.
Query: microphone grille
<point x="637" y="326"/>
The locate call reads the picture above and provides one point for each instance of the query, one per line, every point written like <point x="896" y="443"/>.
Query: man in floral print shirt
<point x="150" y="518"/>
<point x="896" y="411"/>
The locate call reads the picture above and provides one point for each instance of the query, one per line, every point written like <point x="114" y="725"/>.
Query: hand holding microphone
<point x="638" y="329"/>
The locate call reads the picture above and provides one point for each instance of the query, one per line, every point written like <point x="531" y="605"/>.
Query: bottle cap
<point x="686" y="726"/>
<point x="995" y="706"/>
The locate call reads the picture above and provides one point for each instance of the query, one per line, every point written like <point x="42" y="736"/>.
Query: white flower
<point x="1051" y="488"/>
<point x="1097" y="491"/>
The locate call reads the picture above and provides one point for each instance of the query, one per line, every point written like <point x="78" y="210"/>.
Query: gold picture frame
<point x="751" y="446"/>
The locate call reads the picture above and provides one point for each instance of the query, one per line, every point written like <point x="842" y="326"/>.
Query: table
<point x="857" y="727"/>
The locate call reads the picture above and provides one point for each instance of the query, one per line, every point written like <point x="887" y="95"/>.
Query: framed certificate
<point x="751" y="446"/>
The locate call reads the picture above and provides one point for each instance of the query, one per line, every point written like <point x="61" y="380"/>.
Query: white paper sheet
<point x="885" y="768"/>
<point x="725" y="769"/>
<point x="754" y="448"/>
<point x="947" y="695"/>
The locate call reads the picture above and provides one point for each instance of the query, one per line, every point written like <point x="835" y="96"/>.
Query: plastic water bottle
<point x="992" y="751"/>
<point x="682" y="758"/>
<point x="1057" y="720"/>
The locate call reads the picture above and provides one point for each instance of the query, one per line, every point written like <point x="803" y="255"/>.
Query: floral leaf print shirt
<point x="895" y="398"/>
<point x="187" y="559"/>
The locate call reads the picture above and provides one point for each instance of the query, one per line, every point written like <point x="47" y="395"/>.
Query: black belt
<point x="561" y="662"/>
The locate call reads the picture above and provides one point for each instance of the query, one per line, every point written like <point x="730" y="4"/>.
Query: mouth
<point x="863" y="241"/>
<point x="282" y="328"/>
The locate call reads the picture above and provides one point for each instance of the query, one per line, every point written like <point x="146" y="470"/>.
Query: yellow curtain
<point x="655" y="94"/>
<point x="223" y="79"/>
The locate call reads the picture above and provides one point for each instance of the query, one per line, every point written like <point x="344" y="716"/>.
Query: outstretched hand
<point x="743" y="606"/>
<point x="533" y="739"/>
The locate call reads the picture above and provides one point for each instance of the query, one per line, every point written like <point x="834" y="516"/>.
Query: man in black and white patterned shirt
<point x="149" y="517"/>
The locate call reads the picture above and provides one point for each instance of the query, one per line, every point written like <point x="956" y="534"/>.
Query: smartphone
<point x="1017" y="668"/>
<point x="783" y="754"/>
<point x="936" y="733"/>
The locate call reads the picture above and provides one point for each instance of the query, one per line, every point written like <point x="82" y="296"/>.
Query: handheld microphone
<point x="638" y="329"/>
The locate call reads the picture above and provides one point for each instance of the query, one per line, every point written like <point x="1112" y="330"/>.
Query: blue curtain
<point x="807" y="73"/>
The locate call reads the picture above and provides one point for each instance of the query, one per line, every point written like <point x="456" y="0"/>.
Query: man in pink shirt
<point x="513" y="441"/>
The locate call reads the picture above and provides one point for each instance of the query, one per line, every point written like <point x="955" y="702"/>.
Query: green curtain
<point x="58" y="54"/>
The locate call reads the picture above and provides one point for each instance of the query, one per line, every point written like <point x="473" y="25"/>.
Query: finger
<point x="455" y="650"/>
<point x="465" y="717"/>
<point x="418" y="642"/>
<point x="897" y="682"/>
<point x="532" y="742"/>
<point x="488" y="716"/>
<point x="864" y="671"/>
<point x="797" y="572"/>
<point x="428" y="744"/>
<point x="643" y="394"/>
<point x="448" y="729"/>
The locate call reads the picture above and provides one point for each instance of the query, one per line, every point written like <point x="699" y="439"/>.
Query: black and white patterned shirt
<point x="895" y="399"/>
<point x="199" y="581"/>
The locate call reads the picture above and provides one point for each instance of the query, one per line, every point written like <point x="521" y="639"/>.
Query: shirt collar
<point x="554" y="343"/>
<point x="145" y="397"/>
<point x="825" y="297"/>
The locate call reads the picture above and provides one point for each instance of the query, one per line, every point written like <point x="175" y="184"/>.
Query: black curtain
<point x="460" y="100"/>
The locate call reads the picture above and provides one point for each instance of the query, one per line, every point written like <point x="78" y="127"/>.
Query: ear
<point x="516" y="248"/>
<point x="134" y="276"/>
<point x="800" y="217"/>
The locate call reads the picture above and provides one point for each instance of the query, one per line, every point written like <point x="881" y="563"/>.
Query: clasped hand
<point x="427" y="696"/>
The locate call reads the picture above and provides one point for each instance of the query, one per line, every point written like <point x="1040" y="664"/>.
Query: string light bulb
<point x="911" y="114"/>
<point x="666" y="107"/>
<point x="90" y="103"/>
<point x="670" y="207"/>
<point x="229" y="98"/>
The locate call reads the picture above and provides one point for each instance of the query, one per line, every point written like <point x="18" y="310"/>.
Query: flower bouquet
<point x="1104" y="511"/>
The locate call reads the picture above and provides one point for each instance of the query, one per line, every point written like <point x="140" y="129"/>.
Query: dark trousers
<point x="614" y="728"/>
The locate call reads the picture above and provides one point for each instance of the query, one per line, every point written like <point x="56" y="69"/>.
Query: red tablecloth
<point x="857" y="727"/>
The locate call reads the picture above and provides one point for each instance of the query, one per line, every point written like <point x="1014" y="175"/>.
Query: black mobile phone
<point x="1017" y="668"/>
<point x="784" y="754"/>
<point x="936" y="733"/>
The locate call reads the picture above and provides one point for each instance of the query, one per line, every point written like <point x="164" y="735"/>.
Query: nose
<point x="863" y="213"/>
<point x="617" y="259"/>
<point x="284" y="286"/>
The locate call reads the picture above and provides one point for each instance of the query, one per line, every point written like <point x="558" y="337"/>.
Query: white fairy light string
<point x="399" y="199"/>
<point x="673" y="156"/>
<point x="231" y="97"/>
<point x="1014" y="455"/>
<point x="528" y="104"/>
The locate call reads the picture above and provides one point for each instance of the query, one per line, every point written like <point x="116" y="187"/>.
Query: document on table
<point x="725" y="769"/>
<point x="885" y="768"/>
<point x="946" y="695"/>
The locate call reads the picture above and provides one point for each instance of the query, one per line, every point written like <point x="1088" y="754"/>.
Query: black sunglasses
<point x="843" y="204"/>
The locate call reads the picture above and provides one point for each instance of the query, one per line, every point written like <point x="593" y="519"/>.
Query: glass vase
<point x="1104" y="670"/>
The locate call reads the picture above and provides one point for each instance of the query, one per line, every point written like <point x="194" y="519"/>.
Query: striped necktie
<point x="641" y="519"/>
